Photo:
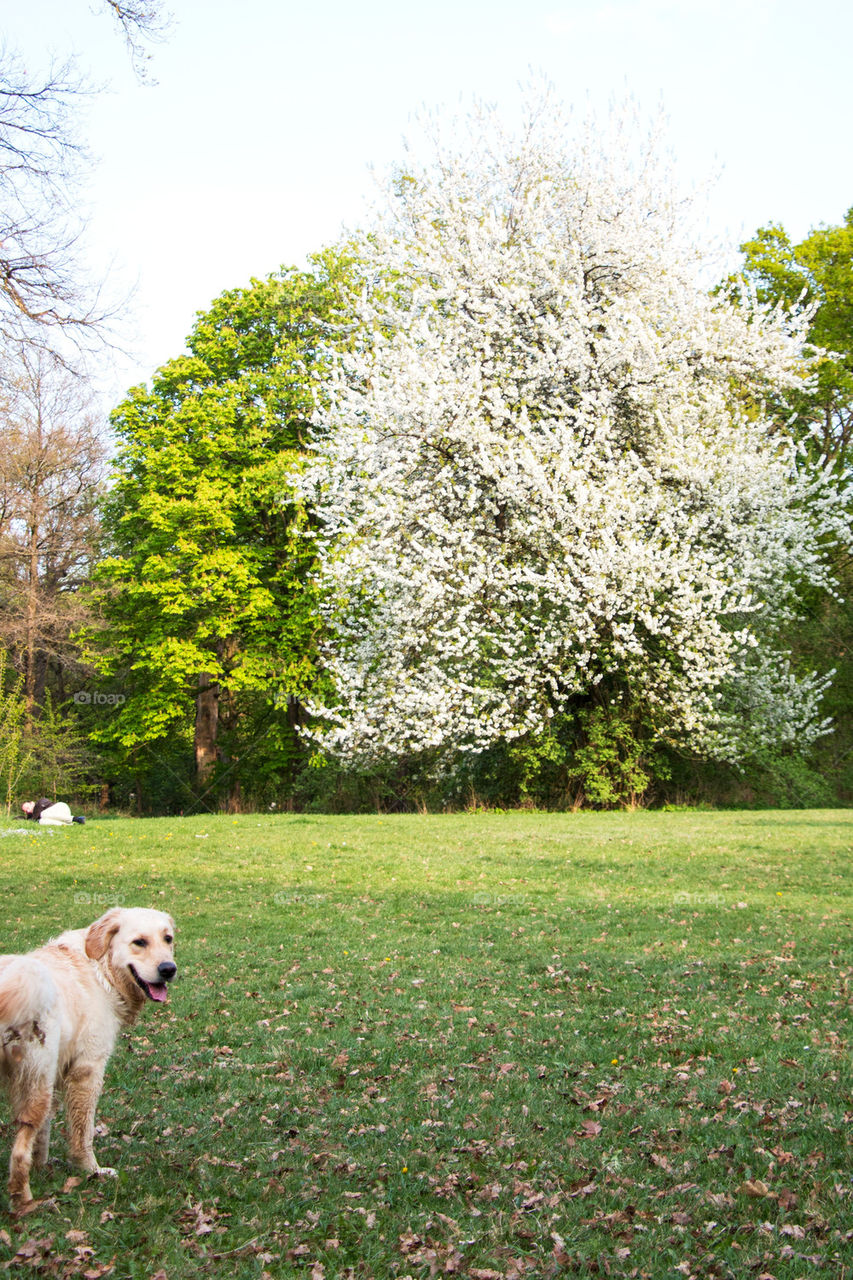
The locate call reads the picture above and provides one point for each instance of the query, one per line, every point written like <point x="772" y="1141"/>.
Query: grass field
<point x="489" y="1046"/>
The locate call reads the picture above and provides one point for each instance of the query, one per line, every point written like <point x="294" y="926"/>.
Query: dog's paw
<point x="103" y="1171"/>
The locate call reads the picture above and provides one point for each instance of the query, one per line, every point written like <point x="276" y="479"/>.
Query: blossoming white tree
<point x="545" y="478"/>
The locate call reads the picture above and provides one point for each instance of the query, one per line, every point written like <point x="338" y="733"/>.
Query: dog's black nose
<point x="167" y="970"/>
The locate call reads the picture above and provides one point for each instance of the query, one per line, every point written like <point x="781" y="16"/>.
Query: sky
<point x="264" y="124"/>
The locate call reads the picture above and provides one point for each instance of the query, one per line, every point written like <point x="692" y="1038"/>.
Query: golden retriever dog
<point x="61" y="1008"/>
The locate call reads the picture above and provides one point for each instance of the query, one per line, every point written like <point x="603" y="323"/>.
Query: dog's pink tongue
<point x="158" y="991"/>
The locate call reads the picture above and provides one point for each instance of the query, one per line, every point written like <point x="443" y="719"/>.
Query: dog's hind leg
<point x="41" y="1146"/>
<point x="32" y="1109"/>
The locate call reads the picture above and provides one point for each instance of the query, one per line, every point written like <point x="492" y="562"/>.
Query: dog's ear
<point x="100" y="934"/>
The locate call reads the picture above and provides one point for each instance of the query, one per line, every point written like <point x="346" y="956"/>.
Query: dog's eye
<point x="168" y="939"/>
<point x="140" y="942"/>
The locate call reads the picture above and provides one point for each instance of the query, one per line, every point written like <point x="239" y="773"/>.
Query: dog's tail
<point x="27" y="997"/>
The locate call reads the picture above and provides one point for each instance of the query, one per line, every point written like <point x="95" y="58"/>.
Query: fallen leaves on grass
<point x="42" y="1257"/>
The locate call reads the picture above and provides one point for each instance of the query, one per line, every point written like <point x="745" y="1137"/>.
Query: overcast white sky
<point x="253" y="148"/>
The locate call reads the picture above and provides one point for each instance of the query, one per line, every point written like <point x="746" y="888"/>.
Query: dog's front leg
<point x="82" y="1091"/>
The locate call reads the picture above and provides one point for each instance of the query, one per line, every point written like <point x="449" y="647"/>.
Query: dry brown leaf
<point x="754" y="1187"/>
<point x="590" y="1129"/>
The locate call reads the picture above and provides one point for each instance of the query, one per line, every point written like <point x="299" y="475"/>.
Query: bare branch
<point x="140" y="21"/>
<point x="44" y="289"/>
<point x="41" y="164"/>
<point x="52" y="470"/>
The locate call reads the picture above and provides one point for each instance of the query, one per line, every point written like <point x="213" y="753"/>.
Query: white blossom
<point x="548" y="467"/>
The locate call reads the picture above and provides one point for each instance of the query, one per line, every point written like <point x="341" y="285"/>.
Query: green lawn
<point x="491" y="1046"/>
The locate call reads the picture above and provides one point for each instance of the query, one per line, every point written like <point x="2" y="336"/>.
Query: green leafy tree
<point x="14" y="758"/>
<point x="818" y="272"/>
<point x="207" y="608"/>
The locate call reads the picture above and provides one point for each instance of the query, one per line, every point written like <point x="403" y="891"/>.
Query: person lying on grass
<point x="49" y="813"/>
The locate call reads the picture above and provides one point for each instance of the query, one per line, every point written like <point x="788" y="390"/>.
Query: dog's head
<point x="136" y="949"/>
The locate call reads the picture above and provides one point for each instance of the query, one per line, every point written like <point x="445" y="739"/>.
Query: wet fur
<point x="61" y="1008"/>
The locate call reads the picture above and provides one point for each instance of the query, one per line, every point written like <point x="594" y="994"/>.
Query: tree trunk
<point x="31" y="621"/>
<point x="235" y="796"/>
<point x="206" y="725"/>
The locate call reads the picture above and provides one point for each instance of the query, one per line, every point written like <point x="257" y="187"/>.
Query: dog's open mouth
<point x="157" y="991"/>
